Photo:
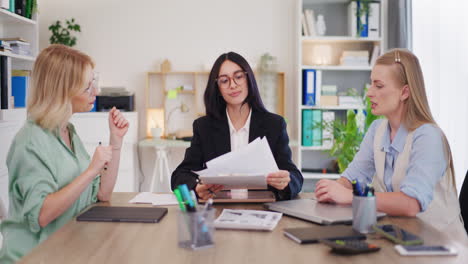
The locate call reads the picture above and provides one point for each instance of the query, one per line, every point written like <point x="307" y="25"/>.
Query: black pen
<point x="105" y="167"/>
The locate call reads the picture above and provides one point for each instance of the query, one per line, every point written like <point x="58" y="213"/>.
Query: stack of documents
<point x="247" y="219"/>
<point x="245" y="168"/>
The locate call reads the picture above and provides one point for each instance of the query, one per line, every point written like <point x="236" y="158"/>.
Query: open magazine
<point x="247" y="219"/>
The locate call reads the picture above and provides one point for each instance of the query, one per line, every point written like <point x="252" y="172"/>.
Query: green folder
<point x="307" y="125"/>
<point x="316" y="128"/>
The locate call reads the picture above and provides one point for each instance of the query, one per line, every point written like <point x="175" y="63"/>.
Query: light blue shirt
<point x="427" y="163"/>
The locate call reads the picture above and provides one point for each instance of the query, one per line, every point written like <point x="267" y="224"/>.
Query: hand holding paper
<point x="245" y="168"/>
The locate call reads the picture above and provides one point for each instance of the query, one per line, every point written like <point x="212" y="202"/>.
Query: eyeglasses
<point x="224" y="81"/>
<point x="93" y="85"/>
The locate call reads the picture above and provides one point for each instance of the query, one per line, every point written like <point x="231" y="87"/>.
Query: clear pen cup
<point x="196" y="229"/>
<point x="364" y="213"/>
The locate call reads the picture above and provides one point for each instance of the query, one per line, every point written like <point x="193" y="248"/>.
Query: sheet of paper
<point x="255" y="159"/>
<point x="247" y="219"/>
<point x="155" y="199"/>
<point x="236" y="181"/>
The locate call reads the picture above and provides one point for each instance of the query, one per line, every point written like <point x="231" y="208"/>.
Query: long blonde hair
<point x="58" y="75"/>
<point x="416" y="108"/>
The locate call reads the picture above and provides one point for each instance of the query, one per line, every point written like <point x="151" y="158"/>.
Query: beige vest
<point x="444" y="210"/>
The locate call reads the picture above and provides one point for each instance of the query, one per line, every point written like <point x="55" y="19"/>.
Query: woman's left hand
<point x="279" y="179"/>
<point x="118" y="126"/>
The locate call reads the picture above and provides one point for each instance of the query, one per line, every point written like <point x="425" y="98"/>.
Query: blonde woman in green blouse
<point x="51" y="176"/>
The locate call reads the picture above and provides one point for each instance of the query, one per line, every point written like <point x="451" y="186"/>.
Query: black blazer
<point x="211" y="139"/>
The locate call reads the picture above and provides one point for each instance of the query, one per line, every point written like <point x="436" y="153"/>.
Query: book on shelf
<point x="355" y="58"/>
<point x="5" y="4"/>
<point x="307" y="125"/>
<point x="327" y="136"/>
<point x="375" y="55"/>
<point x="374" y="20"/>
<point x="347" y="100"/>
<point x="329" y="100"/>
<point x="329" y="90"/>
<point x="305" y="27"/>
<point x="310" y="20"/>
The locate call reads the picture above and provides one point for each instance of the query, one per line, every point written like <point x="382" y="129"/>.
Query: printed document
<point x="246" y="167"/>
<point x="247" y="219"/>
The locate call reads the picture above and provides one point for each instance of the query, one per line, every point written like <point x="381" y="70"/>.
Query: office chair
<point x="464" y="201"/>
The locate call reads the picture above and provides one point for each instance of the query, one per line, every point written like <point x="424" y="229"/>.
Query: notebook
<point x="123" y="214"/>
<point x="305" y="235"/>
<point x="312" y="210"/>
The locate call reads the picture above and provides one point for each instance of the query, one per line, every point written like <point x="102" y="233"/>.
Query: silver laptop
<point x="312" y="210"/>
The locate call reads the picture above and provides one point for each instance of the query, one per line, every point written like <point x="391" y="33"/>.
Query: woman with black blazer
<point x="235" y="116"/>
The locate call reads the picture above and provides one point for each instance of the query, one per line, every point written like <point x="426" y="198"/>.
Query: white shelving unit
<point x="11" y="120"/>
<point x="11" y="26"/>
<point x="337" y="38"/>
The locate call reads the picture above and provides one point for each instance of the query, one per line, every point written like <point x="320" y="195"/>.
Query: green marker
<point x="180" y="200"/>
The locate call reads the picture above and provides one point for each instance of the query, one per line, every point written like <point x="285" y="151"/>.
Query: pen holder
<point x="364" y="213"/>
<point x="196" y="229"/>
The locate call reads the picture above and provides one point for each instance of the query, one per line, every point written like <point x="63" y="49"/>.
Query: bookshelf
<point x="157" y="96"/>
<point x="329" y="71"/>
<point x="11" y="119"/>
<point x="12" y="26"/>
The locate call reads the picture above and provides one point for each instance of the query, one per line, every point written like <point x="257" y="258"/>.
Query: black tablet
<point x="123" y="214"/>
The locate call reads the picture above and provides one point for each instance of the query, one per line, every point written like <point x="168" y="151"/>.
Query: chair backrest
<point x="464" y="201"/>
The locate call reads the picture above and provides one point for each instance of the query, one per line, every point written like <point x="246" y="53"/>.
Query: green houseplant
<point x="62" y="35"/>
<point x="348" y="134"/>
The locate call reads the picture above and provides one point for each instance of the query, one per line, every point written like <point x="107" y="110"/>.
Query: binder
<point x="19" y="86"/>
<point x="307" y="127"/>
<point x="316" y="128"/>
<point x="374" y="20"/>
<point x="308" y="85"/>
<point x="4" y="82"/>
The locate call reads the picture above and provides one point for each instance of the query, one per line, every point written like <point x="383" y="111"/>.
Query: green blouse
<point x="40" y="163"/>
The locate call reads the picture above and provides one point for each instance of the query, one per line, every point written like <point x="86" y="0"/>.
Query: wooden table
<point x="95" y="242"/>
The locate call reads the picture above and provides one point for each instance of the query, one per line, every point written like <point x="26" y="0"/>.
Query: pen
<point x="105" y="166"/>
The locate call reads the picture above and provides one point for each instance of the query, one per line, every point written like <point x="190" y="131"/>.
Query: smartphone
<point x="421" y="250"/>
<point x="398" y="235"/>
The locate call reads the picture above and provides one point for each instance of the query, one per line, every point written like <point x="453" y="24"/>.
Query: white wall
<point x="129" y="38"/>
<point x="440" y="38"/>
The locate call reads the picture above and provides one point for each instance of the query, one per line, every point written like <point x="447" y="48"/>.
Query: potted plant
<point x="348" y="134"/>
<point x="62" y="35"/>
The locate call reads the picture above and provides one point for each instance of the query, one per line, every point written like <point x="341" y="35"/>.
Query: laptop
<point x="312" y="210"/>
<point x="123" y="214"/>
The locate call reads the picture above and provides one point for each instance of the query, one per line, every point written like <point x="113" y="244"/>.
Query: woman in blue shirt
<point x="405" y="156"/>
